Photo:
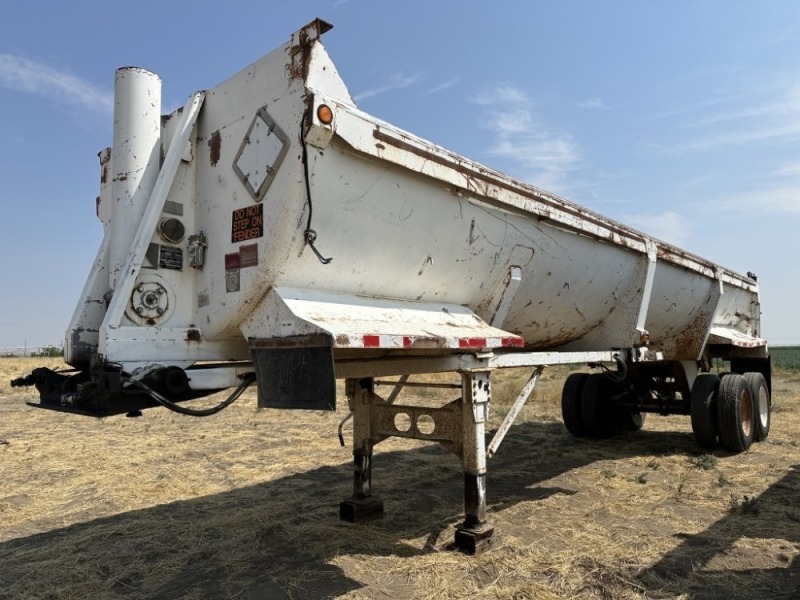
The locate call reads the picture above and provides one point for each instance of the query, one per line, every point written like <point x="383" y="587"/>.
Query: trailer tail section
<point x="270" y="232"/>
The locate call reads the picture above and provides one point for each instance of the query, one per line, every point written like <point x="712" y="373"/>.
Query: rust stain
<point x="295" y="67"/>
<point x="617" y="232"/>
<point x="104" y="174"/>
<point x="215" y="147"/>
<point x="193" y="335"/>
<point x="489" y="179"/>
<point x="300" y="53"/>
<point x="689" y="342"/>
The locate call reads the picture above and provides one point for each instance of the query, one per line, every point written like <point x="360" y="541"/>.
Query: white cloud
<point x="24" y="75"/>
<point x="505" y="94"/>
<point x="772" y="113"/>
<point x="593" y="103"/>
<point x="396" y="82"/>
<point x="784" y="199"/>
<point x="667" y="226"/>
<point x="739" y="137"/>
<point x="773" y="195"/>
<point x="545" y="155"/>
<point x="790" y="169"/>
<point x="696" y="107"/>
<point x="775" y="100"/>
<point x="442" y="86"/>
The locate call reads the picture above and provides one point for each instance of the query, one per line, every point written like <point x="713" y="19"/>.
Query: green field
<point x="786" y="357"/>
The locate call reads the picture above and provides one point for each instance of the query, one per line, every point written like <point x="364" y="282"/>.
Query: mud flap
<point x="295" y="372"/>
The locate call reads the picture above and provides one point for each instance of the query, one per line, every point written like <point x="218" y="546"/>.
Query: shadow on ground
<point x="713" y="564"/>
<point x="278" y="539"/>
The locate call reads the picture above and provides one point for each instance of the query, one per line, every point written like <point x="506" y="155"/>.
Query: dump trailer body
<point x="271" y="230"/>
<point x="402" y="219"/>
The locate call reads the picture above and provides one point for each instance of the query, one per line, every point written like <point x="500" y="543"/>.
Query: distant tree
<point x="49" y="352"/>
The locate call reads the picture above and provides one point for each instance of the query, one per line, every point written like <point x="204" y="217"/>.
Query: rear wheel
<point x="634" y="420"/>
<point x="601" y="417"/>
<point x="571" y="403"/>
<point x="735" y="413"/>
<point x="704" y="410"/>
<point x="762" y="404"/>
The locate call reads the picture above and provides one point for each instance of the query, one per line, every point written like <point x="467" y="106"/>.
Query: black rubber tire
<point x="735" y="413"/>
<point x="762" y="404"/>
<point x="571" y="403"/>
<point x="600" y="418"/>
<point x="634" y="420"/>
<point x="704" y="410"/>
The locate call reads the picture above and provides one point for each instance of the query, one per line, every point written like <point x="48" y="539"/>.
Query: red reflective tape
<point x="515" y="341"/>
<point x="372" y="341"/>
<point x="471" y="342"/>
<point x="406" y="341"/>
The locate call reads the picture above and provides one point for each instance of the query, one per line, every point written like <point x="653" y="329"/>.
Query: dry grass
<point x="244" y="505"/>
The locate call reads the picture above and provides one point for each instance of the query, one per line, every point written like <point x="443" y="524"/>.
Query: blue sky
<point x="681" y="118"/>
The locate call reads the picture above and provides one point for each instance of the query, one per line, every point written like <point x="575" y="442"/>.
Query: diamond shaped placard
<point x="260" y="155"/>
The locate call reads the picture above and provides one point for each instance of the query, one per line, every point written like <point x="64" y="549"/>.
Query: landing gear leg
<point x="362" y="505"/>
<point x="475" y="534"/>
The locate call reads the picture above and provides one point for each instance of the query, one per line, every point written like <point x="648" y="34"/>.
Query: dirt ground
<point x="245" y="504"/>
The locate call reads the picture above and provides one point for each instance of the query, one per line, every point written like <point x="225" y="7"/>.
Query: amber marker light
<point x="325" y="114"/>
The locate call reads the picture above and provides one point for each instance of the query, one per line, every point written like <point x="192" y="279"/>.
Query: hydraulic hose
<point x="247" y="380"/>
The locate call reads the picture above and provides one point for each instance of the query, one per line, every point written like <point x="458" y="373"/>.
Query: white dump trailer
<point x="270" y="232"/>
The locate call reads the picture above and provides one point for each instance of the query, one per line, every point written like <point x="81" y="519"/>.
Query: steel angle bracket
<point x="522" y="398"/>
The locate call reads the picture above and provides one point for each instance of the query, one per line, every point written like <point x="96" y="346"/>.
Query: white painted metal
<point x="734" y="337"/>
<point x="135" y="158"/>
<point x="475" y="393"/>
<point x="647" y="291"/>
<point x="148" y="220"/>
<point x="402" y="365"/>
<point x="522" y="398"/>
<point x="362" y="322"/>
<point x="510" y="287"/>
<point x="217" y="378"/>
<point x="128" y="172"/>
<point x="428" y="246"/>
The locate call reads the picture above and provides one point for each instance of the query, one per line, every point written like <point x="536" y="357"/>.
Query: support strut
<point x="460" y="426"/>
<point x="475" y="534"/>
<point x="362" y="505"/>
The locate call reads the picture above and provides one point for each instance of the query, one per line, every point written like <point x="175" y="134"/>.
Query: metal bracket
<point x="523" y="396"/>
<point x="512" y="281"/>
<point x="647" y="289"/>
<point x="375" y="420"/>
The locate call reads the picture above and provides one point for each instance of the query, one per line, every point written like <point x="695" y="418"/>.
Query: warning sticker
<point x="248" y="255"/>
<point x="247" y="223"/>
<point x="232" y="261"/>
<point x="232" y="281"/>
<point x="232" y="277"/>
